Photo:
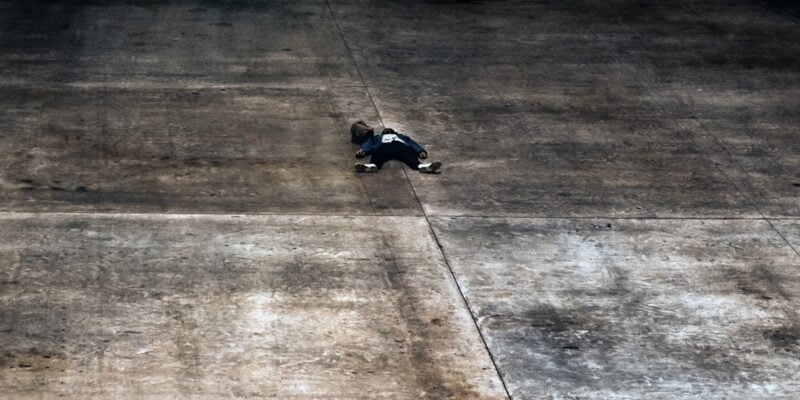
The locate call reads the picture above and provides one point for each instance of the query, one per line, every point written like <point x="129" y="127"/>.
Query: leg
<point x="386" y="152"/>
<point x="427" y="168"/>
<point x="430" y="168"/>
<point x="379" y="158"/>
<point x="409" y="157"/>
<point x="366" y="167"/>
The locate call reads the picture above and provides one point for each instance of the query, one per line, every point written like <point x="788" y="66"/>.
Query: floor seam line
<point x="732" y="182"/>
<point x="112" y="85"/>
<point x="355" y="63"/>
<point x="363" y="85"/>
<point x="699" y="218"/>
<point x="468" y="306"/>
<point x="717" y="166"/>
<point x="425" y="215"/>
<point x="347" y="215"/>
<point x="660" y="110"/>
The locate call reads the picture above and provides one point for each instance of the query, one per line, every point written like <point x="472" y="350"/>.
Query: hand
<point x="360" y="153"/>
<point x="423" y="155"/>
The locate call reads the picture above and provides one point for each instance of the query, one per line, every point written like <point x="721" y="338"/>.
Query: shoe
<point x="430" y="168"/>
<point x="366" y="167"/>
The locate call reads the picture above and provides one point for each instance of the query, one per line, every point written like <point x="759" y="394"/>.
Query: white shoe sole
<point x="431" y="169"/>
<point x="365" y="168"/>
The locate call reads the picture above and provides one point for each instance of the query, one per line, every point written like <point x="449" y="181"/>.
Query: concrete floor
<point x="618" y="216"/>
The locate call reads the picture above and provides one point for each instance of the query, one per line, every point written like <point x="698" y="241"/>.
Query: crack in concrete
<point x="424" y="213"/>
<point x="660" y="109"/>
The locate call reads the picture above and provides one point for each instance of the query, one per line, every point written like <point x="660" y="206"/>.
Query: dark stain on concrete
<point x="568" y="337"/>
<point x="32" y="360"/>
<point x="784" y="338"/>
<point x="561" y="327"/>
<point x="429" y="375"/>
<point x="759" y="281"/>
<point x="790" y="7"/>
<point x="34" y="338"/>
<point x="691" y="310"/>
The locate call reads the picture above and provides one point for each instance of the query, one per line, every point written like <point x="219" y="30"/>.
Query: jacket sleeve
<point x="414" y="145"/>
<point x="370" y="145"/>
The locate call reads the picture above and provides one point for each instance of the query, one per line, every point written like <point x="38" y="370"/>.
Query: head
<point x="360" y="132"/>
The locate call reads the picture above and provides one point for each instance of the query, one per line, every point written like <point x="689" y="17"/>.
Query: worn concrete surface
<point x="154" y="306"/>
<point x="633" y="308"/>
<point x="559" y="122"/>
<point x="618" y="207"/>
<point x="192" y="107"/>
<point x="681" y="118"/>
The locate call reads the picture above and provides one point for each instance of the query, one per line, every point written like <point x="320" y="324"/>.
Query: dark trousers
<point x="395" y="151"/>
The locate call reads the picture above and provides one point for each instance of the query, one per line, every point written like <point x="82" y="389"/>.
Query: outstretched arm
<point x="369" y="146"/>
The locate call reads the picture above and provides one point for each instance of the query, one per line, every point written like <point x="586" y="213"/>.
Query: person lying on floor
<point x="390" y="145"/>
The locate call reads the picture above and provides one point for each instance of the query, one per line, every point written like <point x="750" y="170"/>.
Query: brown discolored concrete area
<point x="617" y="217"/>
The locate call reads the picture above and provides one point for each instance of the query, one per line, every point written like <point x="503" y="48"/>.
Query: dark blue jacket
<point x="374" y="142"/>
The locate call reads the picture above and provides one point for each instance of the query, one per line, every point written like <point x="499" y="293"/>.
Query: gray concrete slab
<point x="276" y="43"/>
<point x="187" y="107"/>
<point x="535" y="115"/>
<point x="790" y="229"/>
<point x="177" y="306"/>
<point x="562" y="168"/>
<point x="761" y="157"/>
<point x="733" y="69"/>
<point x="598" y="309"/>
<point x="260" y="150"/>
<point x="675" y="122"/>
